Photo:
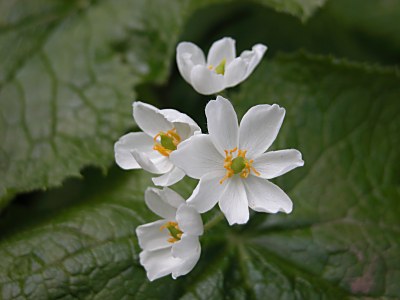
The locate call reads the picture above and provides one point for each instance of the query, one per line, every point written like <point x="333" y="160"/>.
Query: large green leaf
<point x="299" y="8"/>
<point x="341" y="240"/>
<point x="67" y="78"/>
<point x="358" y="30"/>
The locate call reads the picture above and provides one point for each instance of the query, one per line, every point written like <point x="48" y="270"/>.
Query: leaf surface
<point x="342" y="239"/>
<point x="67" y="80"/>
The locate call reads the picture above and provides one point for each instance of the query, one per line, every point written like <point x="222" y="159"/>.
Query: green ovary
<point x="220" y="69"/>
<point x="174" y="232"/>
<point x="238" y="164"/>
<point x="167" y="142"/>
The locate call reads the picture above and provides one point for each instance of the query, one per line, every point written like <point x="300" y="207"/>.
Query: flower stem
<point x="218" y="217"/>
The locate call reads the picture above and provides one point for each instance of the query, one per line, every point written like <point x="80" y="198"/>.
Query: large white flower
<point x="163" y="130"/>
<point x="222" y="68"/>
<point x="231" y="164"/>
<point x="170" y="245"/>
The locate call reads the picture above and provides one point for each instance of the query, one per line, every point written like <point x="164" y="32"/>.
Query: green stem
<point x="218" y="217"/>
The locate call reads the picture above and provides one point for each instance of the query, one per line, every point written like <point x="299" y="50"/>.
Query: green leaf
<point x="298" y="8"/>
<point x="67" y="78"/>
<point x="64" y="91"/>
<point x="342" y="239"/>
<point x="374" y="22"/>
<point x="357" y="30"/>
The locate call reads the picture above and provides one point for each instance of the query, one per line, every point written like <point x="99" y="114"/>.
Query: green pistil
<point x="238" y="164"/>
<point x="220" y="69"/>
<point x="175" y="233"/>
<point x="167" y="142"/>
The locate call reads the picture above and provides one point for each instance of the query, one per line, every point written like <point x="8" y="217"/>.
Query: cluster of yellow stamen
<point x="237" y="165"/>
<point x="166" y="142"/>
<point x="174" y="231"/>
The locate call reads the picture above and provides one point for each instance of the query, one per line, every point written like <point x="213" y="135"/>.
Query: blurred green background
<point x="69" y="72"/>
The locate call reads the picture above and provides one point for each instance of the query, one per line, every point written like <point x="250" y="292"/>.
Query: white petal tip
<point x="287" y="209"/>
<point x="237" y="218"/>
<point x="239" y="222"/>
<point x="227" y="38"/>
<point x="137" y="103"/>
<point x="277" y="107"/>
<point x="155" y="181"/>
<point x="220" y="98"/>
<point x="203" y="92"/>
<point x="260" y="47"/>
<point x="151" y="277"/>
<point x="300" y="161"/>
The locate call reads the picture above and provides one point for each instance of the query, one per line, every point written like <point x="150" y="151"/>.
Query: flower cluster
<point x="231" y="161"/>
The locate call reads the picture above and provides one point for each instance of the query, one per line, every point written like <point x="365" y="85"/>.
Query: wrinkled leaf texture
<point x="67" y="78"/>
<point x="341" y="240"/>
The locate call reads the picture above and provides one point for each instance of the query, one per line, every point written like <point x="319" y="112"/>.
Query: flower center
<point x="174" y="231"/>
<point x="166" y="142"/>
<point x="238" y="165"/>
<point x="220" y="69"/>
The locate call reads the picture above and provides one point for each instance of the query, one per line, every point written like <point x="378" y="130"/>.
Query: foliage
<point x="70" y="71"/>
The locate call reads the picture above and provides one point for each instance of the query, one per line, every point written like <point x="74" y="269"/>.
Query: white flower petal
<point x="222" y="124"/>
<point x="207" y="192"/>
<point x="159" y="165"/>
<point x="187" y="56"/>
<point x="170" y="197"/>
<point x="189" y="220"/>
<point x="221" y="49"/>
<point x="123" y="147"/>
<point x="186" y="266"/>
<point x="253" y="58"/>
<point x="206" y="81"/>
<point x="198" y="156"/>
<point x="276" y="163"/>
<point x="151" y="237"/>
<point x="149" y="119"/>
<point x="185" y="126"/>
<point x="163" y="203"/>
<point x="233" y="201"/>
<point x="259" y="128"/>
<point x="158" y="263"/>
<point x="169" y="178"/>
<point x="188" y="249"/>
<point x="235" y="72"/>
<point x="264" y="196"/>
<point x="185" y="131"/>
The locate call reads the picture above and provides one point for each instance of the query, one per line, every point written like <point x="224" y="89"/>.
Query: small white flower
<point x="163" y="130"/>
<point x="170" y="245"/>
<point x="231" y="164"/>
<point x="222" y="68"/>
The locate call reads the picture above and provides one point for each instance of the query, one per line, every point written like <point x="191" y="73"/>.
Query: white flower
<point x="231" y="164"/>
<point x="170" y="245"/>
<point x="222" y="69"/>
<point x="163" y="130"/>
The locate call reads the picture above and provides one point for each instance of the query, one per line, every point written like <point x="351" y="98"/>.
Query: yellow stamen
<point x="174" y="231"/>
<point x="235" y="166"/>
<point x="166" y="142"/>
